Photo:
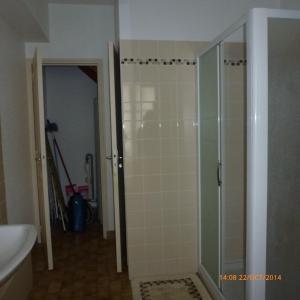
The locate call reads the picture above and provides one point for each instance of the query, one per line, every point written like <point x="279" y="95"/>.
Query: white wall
<point x="82" y="31"/>
<point x="189" y="20"/>
<point x="69" y="97"/>
<point x="14" y="123"/>
<point x="117" y="25"/>
<point x="28" y="17"/>
<point x="290" y="4"/>
<point x="39" y="10"/>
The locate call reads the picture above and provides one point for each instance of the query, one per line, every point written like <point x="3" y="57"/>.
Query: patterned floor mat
<point x="184" y="287"/>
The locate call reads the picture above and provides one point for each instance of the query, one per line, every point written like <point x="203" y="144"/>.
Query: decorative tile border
<point x="235" y="62"/>
<point x="158" y="61"/>
<point x="176" y="61"/>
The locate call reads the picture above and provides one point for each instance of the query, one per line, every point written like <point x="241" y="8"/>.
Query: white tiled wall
<point x="159" y="131"/>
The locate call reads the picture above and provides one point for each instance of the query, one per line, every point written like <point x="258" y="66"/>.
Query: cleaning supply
<point x="77" y="204"/>
<point x="78" y="208"/>
<point x="89" y="171"/>
<point x="56" y="200"/>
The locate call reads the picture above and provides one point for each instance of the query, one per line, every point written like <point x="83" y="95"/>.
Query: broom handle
<point x="64" y="165"/>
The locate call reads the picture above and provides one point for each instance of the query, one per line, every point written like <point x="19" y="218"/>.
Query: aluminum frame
<point x="256" y="22"/>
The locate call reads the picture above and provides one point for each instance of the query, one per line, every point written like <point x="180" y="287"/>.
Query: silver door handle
<point x="108" y="157"/>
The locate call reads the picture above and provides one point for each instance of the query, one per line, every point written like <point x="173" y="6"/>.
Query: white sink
<point x="16" y="242"/>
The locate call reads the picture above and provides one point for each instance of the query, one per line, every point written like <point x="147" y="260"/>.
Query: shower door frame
<point x="203" y="269"/>
<point x="257" y="144"/>
<point x="256" y="22"/>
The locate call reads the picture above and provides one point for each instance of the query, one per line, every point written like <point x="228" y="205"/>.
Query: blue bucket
<point x="77" y="208"/>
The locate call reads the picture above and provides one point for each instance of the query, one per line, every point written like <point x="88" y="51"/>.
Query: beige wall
<point x="159" y="131"/>
<point x="14" y="127"/>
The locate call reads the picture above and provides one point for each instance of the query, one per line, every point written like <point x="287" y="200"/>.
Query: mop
<point x="60" y="208"/>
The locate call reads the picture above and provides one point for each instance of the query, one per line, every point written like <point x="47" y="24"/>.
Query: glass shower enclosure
<point x="249" y="157"/>
<point x="222" y="100"/>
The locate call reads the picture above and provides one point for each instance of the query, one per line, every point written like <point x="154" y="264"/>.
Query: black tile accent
<point x="235" y="62"/>
<point x="157" y="61"/>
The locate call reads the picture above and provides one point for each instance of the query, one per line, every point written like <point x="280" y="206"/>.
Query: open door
<point x="40" y="156"/>
<point x="117" y="156"/>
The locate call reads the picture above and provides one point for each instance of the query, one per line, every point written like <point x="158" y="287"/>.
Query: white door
<point x="40" y="155"/>
<point x="117" y="158"/>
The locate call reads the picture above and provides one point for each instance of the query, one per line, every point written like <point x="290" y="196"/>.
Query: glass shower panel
<point x="233" y="158"/>
<point x="209" y="157"/>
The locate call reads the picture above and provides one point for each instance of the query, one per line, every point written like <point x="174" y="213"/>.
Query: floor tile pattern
<point x="85" y="269"/>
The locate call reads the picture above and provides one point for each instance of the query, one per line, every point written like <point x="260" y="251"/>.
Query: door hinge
<point x="38" y="156"/>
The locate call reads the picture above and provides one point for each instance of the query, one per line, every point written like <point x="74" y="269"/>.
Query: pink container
<point x="69" y="190"/>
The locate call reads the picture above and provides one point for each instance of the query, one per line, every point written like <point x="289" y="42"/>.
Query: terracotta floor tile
<point x="84" y="269"/>
<point x="54" y="287"/>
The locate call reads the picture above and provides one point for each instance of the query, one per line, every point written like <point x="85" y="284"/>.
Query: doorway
<point x="38" y="110"/>
<point x="72" y="130"/>
<point x="68" y="99"/>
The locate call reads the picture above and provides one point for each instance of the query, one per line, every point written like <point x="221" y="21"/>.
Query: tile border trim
<point x="158" y="61"/>
<point x="175" y="61"/>
<point x="235" y="62"/>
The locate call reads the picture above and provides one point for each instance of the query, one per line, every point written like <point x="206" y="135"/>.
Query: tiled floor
<point x="85" y="269"/>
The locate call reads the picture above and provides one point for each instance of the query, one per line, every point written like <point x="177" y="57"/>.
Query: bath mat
<point x="181" y="287"/>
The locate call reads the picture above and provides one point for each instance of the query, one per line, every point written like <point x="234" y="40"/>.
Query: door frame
<point x="35" y="199"/>
<point x="102" y="136"/>
<point x="115" y="154"/>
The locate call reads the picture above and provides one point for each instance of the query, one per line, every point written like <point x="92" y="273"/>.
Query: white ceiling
<point x="105" y="2"/>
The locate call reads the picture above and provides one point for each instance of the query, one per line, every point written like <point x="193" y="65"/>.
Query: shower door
<point x="233" y="157"/>
<point x="222" y="163"/>
<point x="209" y="163"/>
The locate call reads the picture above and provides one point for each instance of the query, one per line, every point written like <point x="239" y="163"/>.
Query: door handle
<point x="219" y="174"/>
<point x="109" y="157"/>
